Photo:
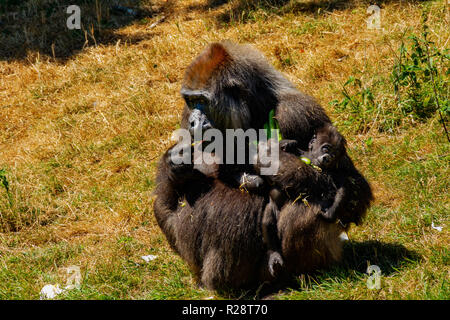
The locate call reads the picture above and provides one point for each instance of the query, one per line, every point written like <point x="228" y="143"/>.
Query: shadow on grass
<point x="242" y="10"/>
<point x="29" y="28"/>
<point x="390" y="257"/>
<point x="357" y="256"/>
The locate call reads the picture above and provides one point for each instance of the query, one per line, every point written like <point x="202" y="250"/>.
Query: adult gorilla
<point x="209" y="222"/>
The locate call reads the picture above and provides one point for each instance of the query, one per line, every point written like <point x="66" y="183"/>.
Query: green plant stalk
<point x="436" y="98"/>
<point x="5" y="183"/>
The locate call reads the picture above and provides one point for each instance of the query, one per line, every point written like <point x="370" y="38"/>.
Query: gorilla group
<point x="227" y="236"/>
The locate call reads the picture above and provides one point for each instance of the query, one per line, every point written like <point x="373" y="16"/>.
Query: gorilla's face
<point x="322" y="152"/>
<point x="222" y="110"/>
<point x="199" y="106"/>
<point x="326" y="147"/>
<point x="223" y="92"/>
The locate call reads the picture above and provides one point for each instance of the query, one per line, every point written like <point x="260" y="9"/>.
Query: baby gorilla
<point x="324" y="152"/>
<point x="295" y="182"/>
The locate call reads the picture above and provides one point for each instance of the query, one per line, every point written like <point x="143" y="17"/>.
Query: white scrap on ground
<point x="50" y="291"/>
<point x="438" y="228"/>
<point x="149" y="258"/>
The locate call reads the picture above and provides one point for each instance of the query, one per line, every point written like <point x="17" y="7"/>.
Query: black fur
<point x="214" y="226"/>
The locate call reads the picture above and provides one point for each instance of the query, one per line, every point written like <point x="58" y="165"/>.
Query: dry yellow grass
<point x="80" y="137"/>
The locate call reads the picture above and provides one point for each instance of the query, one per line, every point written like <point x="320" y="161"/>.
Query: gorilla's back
<point x="225" y="239"/>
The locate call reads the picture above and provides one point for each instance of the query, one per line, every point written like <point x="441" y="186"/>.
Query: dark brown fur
<point x="214" y="226"/>
<point x="327" y="152"/>
<point x="353" y="193"/>
<point x="332" y="193"/>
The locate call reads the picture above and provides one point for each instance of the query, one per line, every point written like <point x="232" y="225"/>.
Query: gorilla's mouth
<point x="317" y="162"/>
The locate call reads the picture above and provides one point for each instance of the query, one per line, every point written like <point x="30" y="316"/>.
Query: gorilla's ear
<point x="213" y="58"/>
<point x="311" y="143"/>
<point x="217" y="55"/>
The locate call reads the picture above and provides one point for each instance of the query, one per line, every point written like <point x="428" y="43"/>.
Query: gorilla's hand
<point x="275" y="263"/>
<point x="250" y="182"/>
<point x="181" y="167"/>
<point x="288" y="145"/>
<point x="186" y="165"/>
<point x="330" y="214"/>
<point x="179" y="158"/>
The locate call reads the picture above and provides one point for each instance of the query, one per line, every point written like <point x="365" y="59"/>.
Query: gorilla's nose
<point x="325" y="159"/>
<point x="198" y="121"/>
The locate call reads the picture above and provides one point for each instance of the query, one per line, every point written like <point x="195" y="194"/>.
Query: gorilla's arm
<point x="180" y="178"/>
<point x="176" y="183"/>
<point x="330" y="213"/>
<point x="295" y="178"/>
<point x="271" y="239"/>
<point x="357" y="194"/>
<point x="343" y="194"/>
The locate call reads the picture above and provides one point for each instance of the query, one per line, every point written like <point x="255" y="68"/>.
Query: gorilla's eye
<point x="326" y="148"/>
<point x="200" y="105"/>
<point x="197" y="103"/>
